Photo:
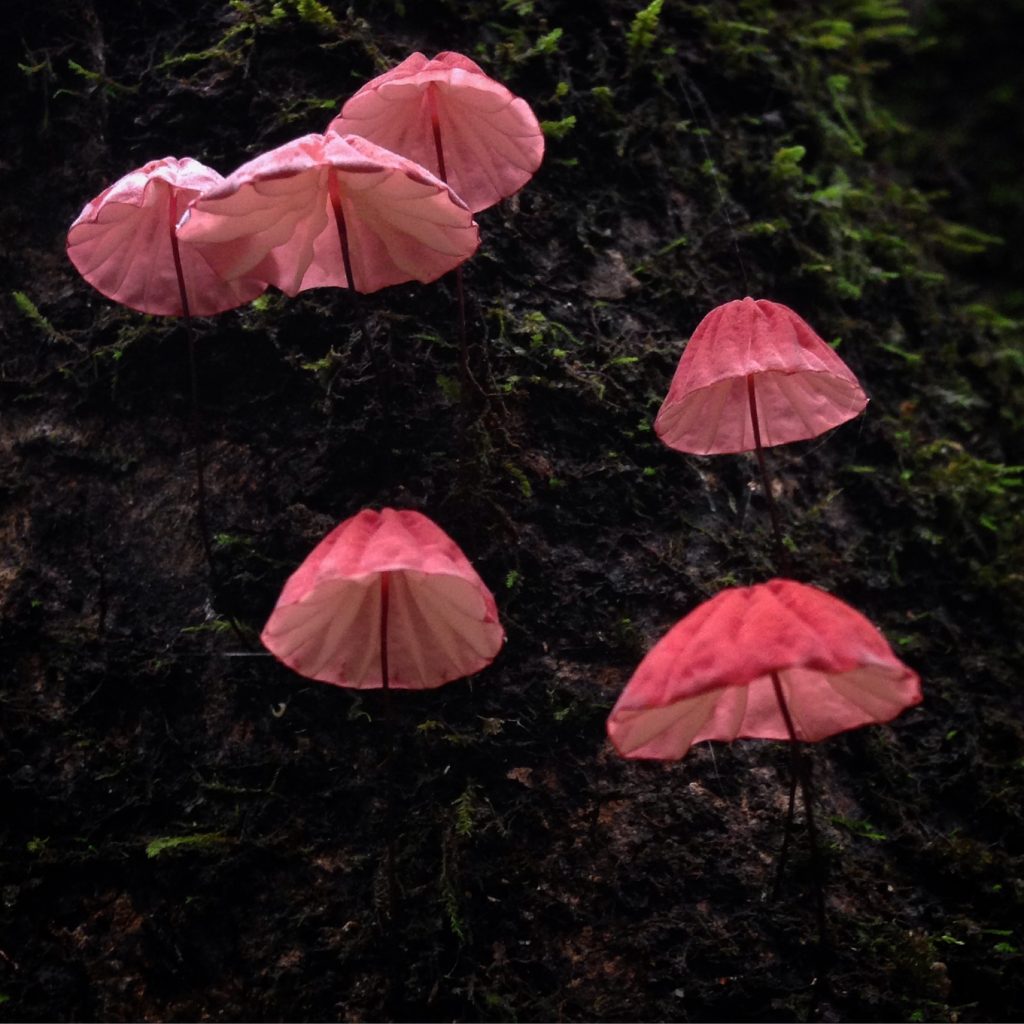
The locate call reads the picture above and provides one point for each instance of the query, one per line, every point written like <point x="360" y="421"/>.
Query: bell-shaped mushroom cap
<point x="490" y="140"/>
<point x="121" y="243"/>
<point x="442" y="621"/>
<point x="274" y="218"/>
<point x="802" y="387"/>
<point x="710" y="676"/>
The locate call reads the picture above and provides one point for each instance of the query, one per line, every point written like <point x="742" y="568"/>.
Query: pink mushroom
<point x="448" y="115"/>
<point x="452" y="118"/>
<point x="735" y="664"/>
<point x="123" y="243"/>
<point x="754" y="374"/>
<point x="779" y="660"/>
<point x="331" y="210"/>
<point x="385" y="599"/>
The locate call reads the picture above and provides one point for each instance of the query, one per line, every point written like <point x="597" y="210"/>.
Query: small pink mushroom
<point x="754" y="374"/>
<point x="123" y="243"/>
<point x="735" y="664"/>
<point x="331" y="210"/>
<point x="452" y="118"/>
<point x="779" y="660"/>
<point x="385" y="599"/>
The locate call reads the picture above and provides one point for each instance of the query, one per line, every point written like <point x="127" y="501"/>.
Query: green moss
<point x="864" y="829"/>
<point x="315" y="13"/>
<point x="100" y="81"/>
<point x="230" y="49"/>
<point x="449" y="387"/>
<point x="31" y="312"/>
<point x="558" y="129"/>
<point x="975" y="507"/>
<point x="786" y="162"/>
<point x="465" y="812"/>
<point x="643" y="30"/>
<point x="202" y="841"/>
<point x="246" y="19"/>
<point x="525" y="487"/>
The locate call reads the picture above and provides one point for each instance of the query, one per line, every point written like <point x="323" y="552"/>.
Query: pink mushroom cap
<point x="802" y="387"/>
<point x="442" y="620"/>
<point x="274" y="218"/>
<point x="709" y="677"/>
<point x="121" y="243"/>
<point x="491" y="140"/>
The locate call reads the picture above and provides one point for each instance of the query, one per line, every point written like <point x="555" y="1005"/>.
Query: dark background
<point x="192" y="835"/>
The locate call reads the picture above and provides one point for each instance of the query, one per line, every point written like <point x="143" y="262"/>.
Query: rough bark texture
<point x="192" y="832"/>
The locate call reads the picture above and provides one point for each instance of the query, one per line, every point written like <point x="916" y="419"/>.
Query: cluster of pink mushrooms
<point x="387" y="599"/>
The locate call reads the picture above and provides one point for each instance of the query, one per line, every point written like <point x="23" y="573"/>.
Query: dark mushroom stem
<point x="801" y="772"/>
<point x="195" y="418"/>
<point x="788" y="830"/>
<point x="781" y="556"/>
<point x="783" y="567"/>
<point x="389" y="724"/>
<point x="204" y="526"/>
<point x="334" y="191"/>
<point x="468" y="380"/>
<point x="339" y="220"/>
<point x="435" y="126"/>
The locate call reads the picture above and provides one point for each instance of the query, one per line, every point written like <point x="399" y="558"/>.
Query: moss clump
<point x="201" y="841"/>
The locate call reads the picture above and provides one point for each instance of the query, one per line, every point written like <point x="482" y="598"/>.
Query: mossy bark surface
<point x="190" y="831"/>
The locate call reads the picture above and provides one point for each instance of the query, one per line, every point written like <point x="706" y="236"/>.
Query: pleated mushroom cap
<point x="442" y="621"/>
<point x="274" y="218"/>
<point x="709" y="677"/>
<point x="802" y="387"/>
<point x="121" y="243"/>
<point x="490" y="139"/>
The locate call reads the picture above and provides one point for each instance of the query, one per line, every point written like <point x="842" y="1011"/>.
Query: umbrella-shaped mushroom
<point x="385" y="599"/>
<point x="779" y="660"/>
<point x="734" y="665"/>
<point x="450" y="116"/>
<point x="754" y="375"/>
<point x="125" y="245"/>
<point x="331" y="210"/>
<point x="454" y="119"/>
